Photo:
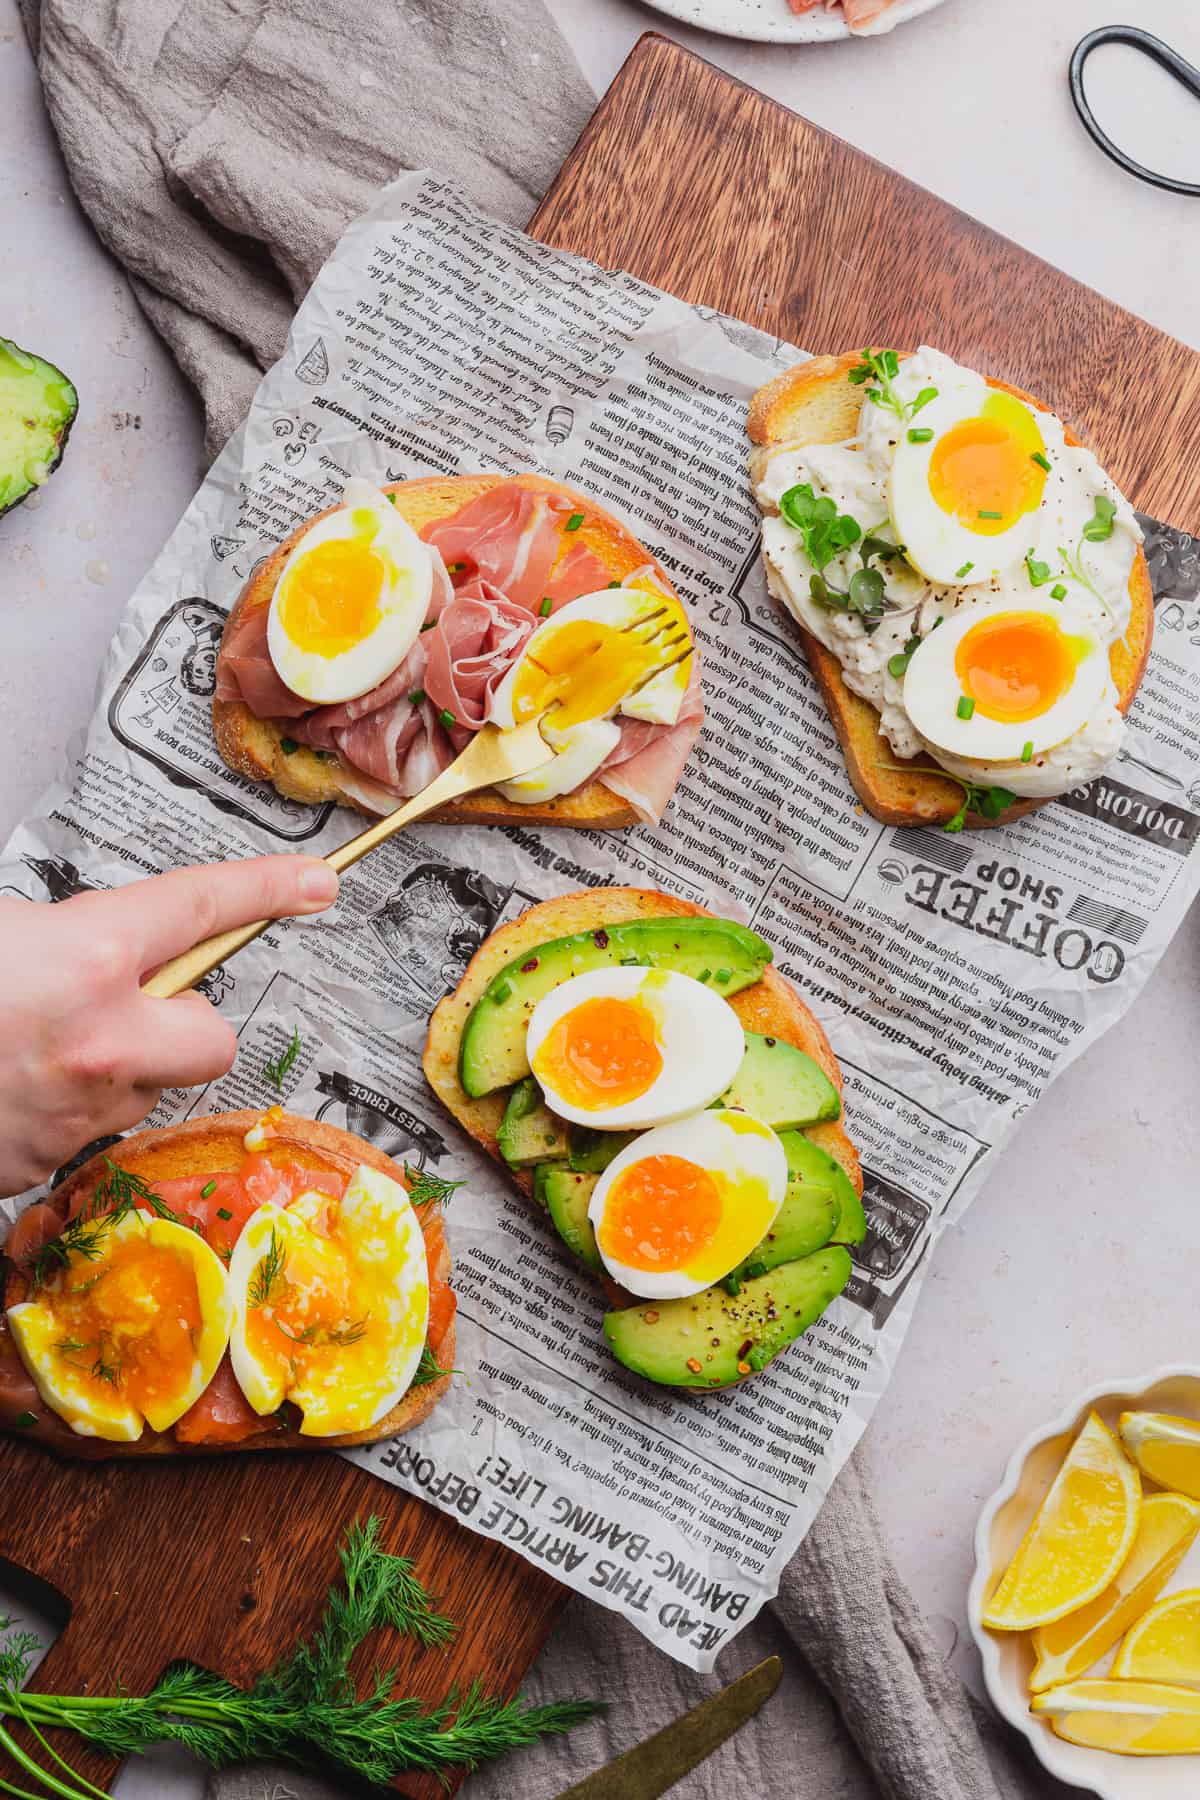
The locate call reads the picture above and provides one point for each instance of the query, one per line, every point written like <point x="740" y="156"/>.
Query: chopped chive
<point x="25" y="1420"/>
<point x="724" y="975"/>
<point x="447" y="718"/>
<point x="966" y="706"/>
<point x="223" y="1212"/>
<point x="965" y="570"/>
<point x="325" y="755"/>
<point x="613" y="584"/>
<point x="1039" y="572"/>
<point x="429" y="625"/>
<point x="940" y="617"/>
<point x="416" y="697"/>
<point x="544" y="608"/>
<point x="392" y="498"/>
<point x="289" y="746"/>
<point x="991" y="515"/>
<point x="923" y="435"/>
<point x="574" y="522"/>
<point x="1058" y="591"/>
<point x="1027" y="751"/>
<point x="501" y="994"/>
<point x="1043" y="462"/>
<point x="630" y="962"/>
<point x="208" y="1188"/>
<point x="455" y="568"/>
<point x="704" y="975"/>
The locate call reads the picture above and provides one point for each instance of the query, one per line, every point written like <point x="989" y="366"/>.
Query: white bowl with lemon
<point x="1085" y="1602"/>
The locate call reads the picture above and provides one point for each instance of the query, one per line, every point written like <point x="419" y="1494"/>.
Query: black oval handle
<point x="1158" y="52"/>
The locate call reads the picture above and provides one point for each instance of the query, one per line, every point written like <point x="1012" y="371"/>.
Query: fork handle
<point x="191" y="966"/>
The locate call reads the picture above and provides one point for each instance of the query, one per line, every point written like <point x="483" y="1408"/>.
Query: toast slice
<point x="252" y="746"/>
<point x="771" y="1007"/>
<point x="209" y="1146"/>
<point x="814" y="403"/>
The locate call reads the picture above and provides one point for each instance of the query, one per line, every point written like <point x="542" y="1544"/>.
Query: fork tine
<point x="644" y="619"/>
<point x="661" y="669"/>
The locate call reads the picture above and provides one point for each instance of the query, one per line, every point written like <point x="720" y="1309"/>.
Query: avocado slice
<point x="592" y="1151"/>
<point x="565" y="1195"/>
<point x="492" y="1053"/>
<point x="529" y="1131"/>
<point x="37" y="409"/>
<point x="810" y="1163"/>
<point x="714" y="1338"/>
<point x="781" y="1085"/>
<point x="804" y="1223"/>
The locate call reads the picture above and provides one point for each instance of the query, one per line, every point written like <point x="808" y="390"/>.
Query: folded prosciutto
<point x="857" y="13"/>
<point x="500" y="570"/>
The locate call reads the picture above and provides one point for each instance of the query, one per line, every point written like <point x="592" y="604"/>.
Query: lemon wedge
<point x="1079" y="1538"/>
<point x="1070" y="1646"/>
<point x="1134" y="1718"/>
<point x="1166" y="1448"/>
<point x="1165" y="1645"/>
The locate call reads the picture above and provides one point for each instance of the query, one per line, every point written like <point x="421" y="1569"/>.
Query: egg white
<point x="698" y="1034"/>
<point x="341" y="1388"/>
<point x="725" y="1141"/>
<point x="403" y="602"/>
<point x="660" y="700"/>
<point x="577" y="754"/>
<point x="69" y="1391"/>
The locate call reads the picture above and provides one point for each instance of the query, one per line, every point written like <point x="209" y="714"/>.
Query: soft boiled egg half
<point x="620" y="1049"/>
<point x="1001" y="680"/>
<point x="131" y="1335"/>
<point x="967" y="476"/>
<point x="331" y="1303"/>
<point x="681" y="1206"/>
<point x="351" y="599"/>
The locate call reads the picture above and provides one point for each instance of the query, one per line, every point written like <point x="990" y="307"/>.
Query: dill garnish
<point x="428" y="1369"/>
<point x="424" y="1186"/>
<point x="277" y="1071"/>
<point x="267" y="1274"/>
<point x="318" y="1336"/>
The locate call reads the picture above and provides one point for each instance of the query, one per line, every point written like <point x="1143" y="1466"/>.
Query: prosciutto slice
<point x="645" y="766"/>
<point x="477" y="639"/>
<point x="579" y="572"/>
<point x="508" y="537"/>
<point x="245" y="671"/>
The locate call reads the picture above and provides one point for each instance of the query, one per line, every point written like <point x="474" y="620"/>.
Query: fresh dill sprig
<point x="428" y="1369"/>
<point x="425" y="1187"/>
<point x="305" y="1710"/>
<point x="276" y="1072"/>
<point x="83" y="1237"/>
<point x="317" y="1336"/>
<point x="267" y="1273"/>
<point x="122" y="1191"/>
<point x="118" y="1194"/>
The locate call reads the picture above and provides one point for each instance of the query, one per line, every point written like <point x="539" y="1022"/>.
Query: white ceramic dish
<point x="1008" y="1658"/>
<point x="772" y="21"/>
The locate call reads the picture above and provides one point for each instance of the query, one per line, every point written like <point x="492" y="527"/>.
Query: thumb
<point x="169" y="913"/>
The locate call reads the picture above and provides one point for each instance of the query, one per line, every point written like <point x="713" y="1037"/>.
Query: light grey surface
<point x="1069" y="1267"/>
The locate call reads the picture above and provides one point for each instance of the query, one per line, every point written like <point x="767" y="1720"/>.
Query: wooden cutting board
<point x="712" y="192"/>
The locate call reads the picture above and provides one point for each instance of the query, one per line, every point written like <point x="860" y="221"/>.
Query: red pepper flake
<point x="745" y="1349"/>
<point x="600" y="939"/>
<point x="650" y="1317"/>
<point x="743" y="1368"/>
<point x="527" y="968"/>
<point x="694" y="1365"/>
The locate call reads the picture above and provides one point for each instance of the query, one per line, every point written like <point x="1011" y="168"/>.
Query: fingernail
<point x="318" y="885"/>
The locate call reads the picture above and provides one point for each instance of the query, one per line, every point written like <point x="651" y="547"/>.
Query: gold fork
<point x="491" y="756"/>
<point x="661" y="639"/>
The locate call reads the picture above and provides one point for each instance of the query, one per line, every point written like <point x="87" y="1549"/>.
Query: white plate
<point x="1008" y="1657"/>
<point x="772" y="21"/>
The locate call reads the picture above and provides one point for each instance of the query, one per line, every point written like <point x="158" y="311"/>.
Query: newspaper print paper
<point x="954" y="975"/>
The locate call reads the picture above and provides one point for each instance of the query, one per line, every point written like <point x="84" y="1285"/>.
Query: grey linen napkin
<point x="220" y="147"/>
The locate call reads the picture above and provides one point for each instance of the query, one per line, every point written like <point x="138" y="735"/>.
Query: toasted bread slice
<point x="771" y="1007"/>
<point x="252" y="746"/>
<point x="814" y="403"/>
<point x="208" y="1146"/>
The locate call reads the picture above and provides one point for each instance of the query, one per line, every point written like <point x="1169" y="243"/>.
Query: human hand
<point x="82" y="1051"/>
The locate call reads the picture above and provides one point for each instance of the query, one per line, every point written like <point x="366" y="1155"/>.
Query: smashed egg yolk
<point x="1014" y="666"/>
<point x="661" y="1213"/>
<point x="130" y="1325"/>
<point x="302" y="1299"/>
<point x="330" y="601"/>
<point x="584" y="669"/>
<point x="603" y="1052"/>
<point x="982" y="472"/>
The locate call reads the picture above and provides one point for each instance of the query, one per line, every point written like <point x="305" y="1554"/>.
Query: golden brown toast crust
<point x="251" y="746"/>
<point x="771" y="1007"/>
<point x="208" y="1146"/>
<point x="815" y="403"/>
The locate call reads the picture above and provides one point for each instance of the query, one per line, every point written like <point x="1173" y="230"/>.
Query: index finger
<point x="164" y="914"/>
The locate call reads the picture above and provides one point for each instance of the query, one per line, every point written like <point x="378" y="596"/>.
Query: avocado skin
<point x="33" y="394"/>
<point x="492" y="1052"/>
<point x="671" y="1342"/>
<point x="805" y="1222"/>
<point x="781" y="1085"/>
<point x="810" y="1163"/>
<point x="565" y="1193"/>
<point x="529" y="1131"/>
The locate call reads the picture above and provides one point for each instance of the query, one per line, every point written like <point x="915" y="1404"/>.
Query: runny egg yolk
<point x="307" y="1305"/>
<point x="130" y="1326"/>
<point x="1014" y="666"/>
<point x="584" y="669"/>
<point x="662" y="1213"/>
<point x="330" y="600"/>
<point x="604" y="1052"/>
<point x="982" y="472"/>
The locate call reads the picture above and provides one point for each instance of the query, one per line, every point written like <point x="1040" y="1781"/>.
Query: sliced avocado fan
<point x="37" y="409"/>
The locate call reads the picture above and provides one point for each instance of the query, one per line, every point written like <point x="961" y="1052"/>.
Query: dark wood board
<point x="707" y="189"/>
<point x="704" y="187"/>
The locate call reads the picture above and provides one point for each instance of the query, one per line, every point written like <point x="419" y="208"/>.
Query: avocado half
<point x="38" y="405"/>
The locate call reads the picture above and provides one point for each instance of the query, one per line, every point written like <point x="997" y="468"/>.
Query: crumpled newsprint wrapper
<point x="954" y="975"/>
